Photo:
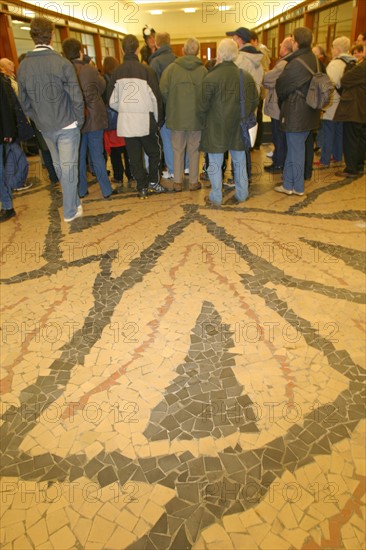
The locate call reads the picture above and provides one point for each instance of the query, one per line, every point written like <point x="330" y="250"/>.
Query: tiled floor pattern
<point x="175" y="376"/>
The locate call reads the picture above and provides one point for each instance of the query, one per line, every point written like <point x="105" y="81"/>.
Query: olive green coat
<point x="221" y="107"/>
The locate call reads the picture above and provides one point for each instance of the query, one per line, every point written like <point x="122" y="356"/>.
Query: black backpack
<point x="320" y="88"/>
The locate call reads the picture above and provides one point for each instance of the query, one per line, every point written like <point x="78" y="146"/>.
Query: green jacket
<point x="221" y="107"/>
<point x="181" y="88"/>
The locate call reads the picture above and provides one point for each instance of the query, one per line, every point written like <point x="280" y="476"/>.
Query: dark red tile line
<point x="6" y="383"/>
<point x="359" y="324"/>
<point x="282" y="360"/>
<point x="154" y="324"/>
<point x="336" y="522"/>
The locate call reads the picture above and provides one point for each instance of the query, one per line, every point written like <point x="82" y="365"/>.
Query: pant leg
<point x="350" y="146"/>
<point x="64" y="148"/>
<point x="361" y="148"/>
<point x="95" y="146"/>
<point x="328" y="141"/>
<point x="135" y="154"/>
<point x="309" y="156"/>
<point x="215" y="175"/>
<point x="126" y="161"/>
<point x="193" y="144"/>
<point x="167" y="147"/>
<point x="240" y="175"/>
<point x="293" y="173"/>
<point x="179" y="141"/>
<point x="5" y="191"/>
<point x="258" y="140"/>
<point x="338" y="141"/>
<point x="279" y="140"/>
<point x="83" y="161"/>
<point x="47" y="159"/>
<point x="152" y="148"/>
<point x="116" y="160"/>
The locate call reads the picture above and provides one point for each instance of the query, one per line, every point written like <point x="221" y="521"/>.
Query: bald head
<point x="7" y="66"/>
<point x="286" y="46"/>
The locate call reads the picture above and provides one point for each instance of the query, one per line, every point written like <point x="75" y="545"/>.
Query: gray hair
<point x="191" y="46"/>
<point x="342" y="44"/>
<point x="227" y="50"/>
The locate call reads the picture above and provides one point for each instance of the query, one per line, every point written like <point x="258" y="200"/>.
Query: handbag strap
<point x="242" y="100"/>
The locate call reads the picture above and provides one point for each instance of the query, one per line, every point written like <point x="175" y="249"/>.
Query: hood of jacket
<point x="253" y="55"/>
<point x="188" y="62"/>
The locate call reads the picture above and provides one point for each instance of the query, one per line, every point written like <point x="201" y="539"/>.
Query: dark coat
<point x="221" y="107"/>
<point x="92" y="85"/>
<point x="161" y="58"/>
<point x="8" y="127"/>
<point x="292" y="87"/>
<point x="352" y="107"/>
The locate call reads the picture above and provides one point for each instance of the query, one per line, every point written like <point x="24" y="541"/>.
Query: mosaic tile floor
<point x="180" y="377"/>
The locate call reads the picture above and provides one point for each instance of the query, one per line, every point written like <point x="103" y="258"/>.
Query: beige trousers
<point x="180" y="140"/>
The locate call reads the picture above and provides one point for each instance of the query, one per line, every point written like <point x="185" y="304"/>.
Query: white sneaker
<point x="167" y="175"/>
<point x="270" y="154"/>
<point x="78" y="214"/>
<point x="186" y="172"/>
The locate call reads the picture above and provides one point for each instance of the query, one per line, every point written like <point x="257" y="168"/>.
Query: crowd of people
<point x="161" y="108"/>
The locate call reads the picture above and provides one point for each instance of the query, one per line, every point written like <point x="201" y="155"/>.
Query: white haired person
<point x="332" y="147"/>
<point x="221" y="110"/>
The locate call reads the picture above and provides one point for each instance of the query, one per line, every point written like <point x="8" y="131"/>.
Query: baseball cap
<point x="242" y="32"/>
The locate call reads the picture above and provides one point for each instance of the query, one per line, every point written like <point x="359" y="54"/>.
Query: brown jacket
<point x="92" y="86"/>
<point x="352" y="106"/>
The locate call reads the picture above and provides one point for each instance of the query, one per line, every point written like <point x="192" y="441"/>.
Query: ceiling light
<point x="25" y="28"/>
<point x="16" y="22"/>
<point x="156" y="12"/>
<point x="224" y="8"/>
<point x="189" y="10"/>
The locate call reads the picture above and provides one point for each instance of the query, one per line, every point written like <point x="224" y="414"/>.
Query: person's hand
<point x="8" y="139"/>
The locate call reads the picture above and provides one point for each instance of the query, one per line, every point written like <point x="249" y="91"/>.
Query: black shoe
<point x="272" y="169"/>
<point x="211" y="203"/>
<point x="143" y="193"/>
<point x="233" y="201"/>
<point x="156" y="188"/>
<point x="114" y="192"/>
<point x="86" y="194"/>
<point x="6" y="214"/>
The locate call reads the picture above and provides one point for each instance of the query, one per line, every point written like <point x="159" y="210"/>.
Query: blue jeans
<point x="165" y="134"/>
<point x="293" y="172"/>
<point x="5" y="191"/>
<point x="64" y="146"/>
<point x="240" y="175"/>
<point x="93" y="141"/>
<point x="332" y="141"/>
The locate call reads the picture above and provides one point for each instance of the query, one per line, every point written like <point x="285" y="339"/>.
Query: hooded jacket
<point x="181" y="88"/>
<point x="49" y="91"/>
<point x="161" y="58"/>
<point x="133" y="92"/>
<point x="250" y="59"/>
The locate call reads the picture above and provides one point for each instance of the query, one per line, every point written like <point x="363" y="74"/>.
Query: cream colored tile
<point x="101" y="530"/>
<point x="120" y="536"/>
<point x="63" y="539"/>
<point x="38" y="533"/>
